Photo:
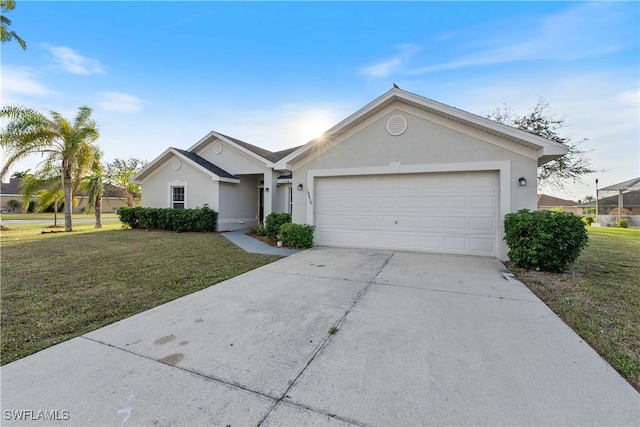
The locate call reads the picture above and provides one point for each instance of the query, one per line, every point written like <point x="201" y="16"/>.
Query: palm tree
<point x="5" y="34"/>
<point x="93" y="186"/>
<point x="67" y="144"/>
<point x="47" y="189"/>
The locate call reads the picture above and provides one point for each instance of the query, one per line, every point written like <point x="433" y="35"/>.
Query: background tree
<point x="20" y="174"/>
<point x="93" y="187"/>
<point x="119" y="172"/>
<point x="13" y="204"/>
<point x="542" y="122"/>
<point x="64" y="143"/>
<point x="46" y="189"/>
<point x="6" y="35"/>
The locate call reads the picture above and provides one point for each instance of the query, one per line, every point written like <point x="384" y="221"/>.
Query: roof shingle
<point x="205" y="164"/>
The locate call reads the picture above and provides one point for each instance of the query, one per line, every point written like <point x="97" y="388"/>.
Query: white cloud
<point x="22" y="81"/>
<point x="120" y="102"/>
<point x="393" y="64"/>
<point x="582" y="31"/>
<point x="72" y="62"/>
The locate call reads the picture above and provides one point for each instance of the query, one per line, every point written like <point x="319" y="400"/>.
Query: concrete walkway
<point x="255" y="246"/>
<point x="421" y="340"/>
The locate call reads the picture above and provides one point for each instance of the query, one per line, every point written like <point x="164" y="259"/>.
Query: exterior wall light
<point x="300" y="187"/>
<point x="522" y="181"/>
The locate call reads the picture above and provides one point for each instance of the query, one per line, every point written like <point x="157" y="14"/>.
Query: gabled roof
<point x="547" y="150"/>
<point x="279" y="155"/>
<point x="632" y="184"/>
<point x="11" y="187"/>
<point x="261" y="154"/>
<point x="550" y="201"/>
<point x="253" y="148"/>
<point x="216" y="173"/>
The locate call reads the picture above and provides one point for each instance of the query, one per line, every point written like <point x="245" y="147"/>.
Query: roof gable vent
<point x="396" y="125"/>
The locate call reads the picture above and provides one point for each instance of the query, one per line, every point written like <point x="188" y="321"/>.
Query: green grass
<point x="600" y="297"/>
<point x="61" y="285"/>
<point x="49" y="216"/>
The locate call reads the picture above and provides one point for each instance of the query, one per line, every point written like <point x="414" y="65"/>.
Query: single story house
<point x="111" y="201"/>
<point x="404" y="172"/>
<point x="546" y="202"/>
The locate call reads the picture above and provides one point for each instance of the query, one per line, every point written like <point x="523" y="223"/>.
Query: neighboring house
<point x="11" y="191"/>
<point x="630" y="204"/>
<point x="546" y="202"/>
<point x="404" y="172"/>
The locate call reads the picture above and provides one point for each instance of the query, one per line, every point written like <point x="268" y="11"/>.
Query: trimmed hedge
<point x="544" y="240"/>
<point x="274" y="221"/>
<point x="178" y="220"/>
<point x="297" y="235"/>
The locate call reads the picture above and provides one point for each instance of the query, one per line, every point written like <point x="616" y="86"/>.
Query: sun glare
<point x="312" y="124"/>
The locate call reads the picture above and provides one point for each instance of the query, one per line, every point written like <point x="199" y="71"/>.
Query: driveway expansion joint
<point x="316" y="276"/>
<point x="196" y="373"/>
<point x="444" y="291"/>
<point x="362" y="292"/>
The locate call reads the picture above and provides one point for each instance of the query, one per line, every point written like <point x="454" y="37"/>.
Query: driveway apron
<point x="421" y="339"/>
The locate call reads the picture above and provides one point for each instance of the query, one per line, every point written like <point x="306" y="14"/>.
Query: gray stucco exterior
<point x="435" y="138"/>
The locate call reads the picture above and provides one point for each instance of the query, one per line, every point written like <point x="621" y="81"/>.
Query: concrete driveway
<point x="422" y="340"/>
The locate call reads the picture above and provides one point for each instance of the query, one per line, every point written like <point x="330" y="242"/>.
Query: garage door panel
<point x="439" y="212"/>
<point x="456" y="224"/>
<point x="459" y="202"/>
<point x="458" y="244"/>
<point x="483" y="224"/>
<point x="432" y="222"/>
<point x="479" y="244"/>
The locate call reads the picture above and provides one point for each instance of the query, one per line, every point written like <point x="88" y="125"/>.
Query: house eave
<point x="547" y="150"/>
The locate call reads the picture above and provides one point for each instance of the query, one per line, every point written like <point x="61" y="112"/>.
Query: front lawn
<point x="57" y="286"/>
<point x="600" y="296"/>
<point x="50" y="216"/>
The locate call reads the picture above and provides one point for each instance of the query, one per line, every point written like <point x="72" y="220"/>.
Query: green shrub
<point x="588" y="220"/>
<point x="274" y="221"/>
<point x="13" y="204"/>
<point x="545" y="240"/>
<point x="258" y="230"/>
<point x="622" y="223"/>
<point x="178" y="220"/>
<point x="297" y="235"/>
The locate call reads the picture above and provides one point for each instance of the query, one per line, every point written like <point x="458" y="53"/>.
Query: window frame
<point x="171" y="201"/>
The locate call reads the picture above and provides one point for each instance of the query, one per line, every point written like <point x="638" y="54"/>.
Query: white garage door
<point x="435" y="212"/>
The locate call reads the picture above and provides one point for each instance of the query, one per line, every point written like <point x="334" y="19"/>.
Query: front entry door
<point x="261" y="205"/>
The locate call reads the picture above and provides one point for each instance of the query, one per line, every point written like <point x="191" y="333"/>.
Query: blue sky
<point x="162" y="74"/>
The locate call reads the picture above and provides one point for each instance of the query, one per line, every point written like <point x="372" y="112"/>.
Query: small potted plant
<point x="279" y="241"/>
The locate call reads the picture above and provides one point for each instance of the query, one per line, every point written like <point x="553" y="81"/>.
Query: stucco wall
<point x="428" y="140"/>
<point x="200" y="189"/>
<point x="239" y="203"/>
<point x="231" y="159"/>
<point x="282" y="198"/>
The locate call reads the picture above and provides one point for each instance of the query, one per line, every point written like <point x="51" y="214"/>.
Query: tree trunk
<point x="55" y="212"/>
<point x="98" y="208"/>
<point x="66" y="185"/>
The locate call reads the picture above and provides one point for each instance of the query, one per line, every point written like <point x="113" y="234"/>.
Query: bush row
<point x="297" y="235"/>
<point x="274" y="221"/>
<point x="178" y="220"/>
<point x="545" y="240"/>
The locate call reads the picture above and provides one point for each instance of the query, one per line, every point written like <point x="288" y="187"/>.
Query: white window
<point x="177" y="197"/>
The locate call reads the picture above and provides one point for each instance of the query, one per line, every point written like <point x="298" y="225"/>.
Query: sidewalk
<point x="255" y="246"/>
